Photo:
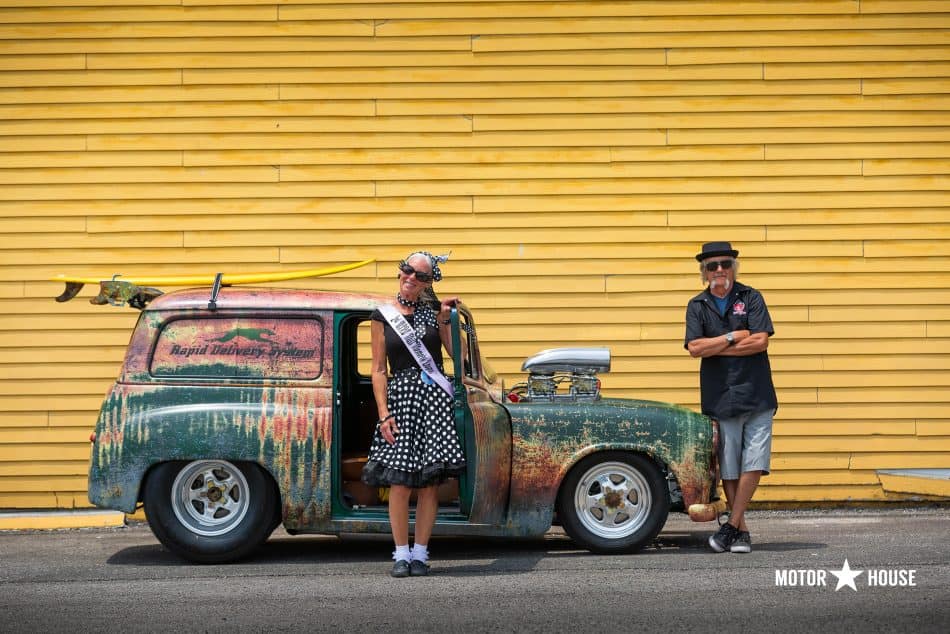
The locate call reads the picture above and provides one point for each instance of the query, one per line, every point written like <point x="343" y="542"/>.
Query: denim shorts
<point x="745" y="444"/>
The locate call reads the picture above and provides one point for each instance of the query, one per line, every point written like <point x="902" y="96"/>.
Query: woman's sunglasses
<point x="422" y="276"/>
<point x="725" y="264"/>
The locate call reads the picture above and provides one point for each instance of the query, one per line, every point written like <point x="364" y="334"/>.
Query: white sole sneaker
<point x="715" y="545"/>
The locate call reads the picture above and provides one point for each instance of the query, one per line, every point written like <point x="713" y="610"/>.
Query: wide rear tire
<point x="613" y="502"/>
<point x="210" y="511"/>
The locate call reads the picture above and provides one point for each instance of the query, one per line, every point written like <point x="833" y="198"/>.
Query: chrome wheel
<point x="612" y="500"/>
<point x="210" y="497"/>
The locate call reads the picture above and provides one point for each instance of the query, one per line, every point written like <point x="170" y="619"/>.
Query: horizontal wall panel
<point x="363" y="60"/>
<point x="684" y="41"/>
<point x="466" y="74"/>
<point x="324" y="222"/>
<point x="612" y="170"/>
<point x="59" y="370"/>
<point x="289" y="140"/>
<point x="248" y="125"/>
<point x="42" y="62"/>
<point x="717" y="202"/>
<point x="46" y="468"/>
<point x="905" y="86"/>
<point x="461" y="10"/>
<point x="335" y="45"/>
<point x="89" y="95"/>
<point x="192" y="110"/>
<point x="901" y="460"/>
<point x="238" y="27"/>
<point x="741" y="105"/>
<point x="136" y="14"/>
<point x="813" y="55"/>
<point x="49" y="435"/>
<point x="154" y="174"/>
<point x="933" y="428"/>
<point x="150" y="255"/>
<point x="706" y="23"/>
<point x="821" y="477"/>
<point x="439" y="156"/>
<point x="805" y="134"/>
<point x="851" y="493"/>
<point x="844" y="428"/>
<point x="89" y="78"/>
<point x="580" y="88"/>
<point x="183" y="190"/>
<point x="859" y="150"/>
<point x="240" y="207"/>
<point x="85" y="159"/>
<point x="23" y="419"/>
<point x="807" y="460"/>
<point x="857" y="69"/>
<point x="825" y="217"/>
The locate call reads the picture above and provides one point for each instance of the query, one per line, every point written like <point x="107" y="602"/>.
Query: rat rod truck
<point x="253" y="408"/>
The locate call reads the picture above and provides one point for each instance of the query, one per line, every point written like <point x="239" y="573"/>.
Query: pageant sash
<point x="415" y="346"/>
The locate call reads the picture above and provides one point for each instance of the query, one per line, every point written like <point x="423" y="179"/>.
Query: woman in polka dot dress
<point x="415" y="445"/>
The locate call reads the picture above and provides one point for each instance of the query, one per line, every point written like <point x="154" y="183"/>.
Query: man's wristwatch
<point x="730" y="338"/>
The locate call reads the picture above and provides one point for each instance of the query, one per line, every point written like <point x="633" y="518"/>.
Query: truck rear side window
<point x="240" y="347"/>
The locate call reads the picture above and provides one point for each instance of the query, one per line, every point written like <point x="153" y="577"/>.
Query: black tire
<point x="210" y="511"/>
<point x="613" y="502"/>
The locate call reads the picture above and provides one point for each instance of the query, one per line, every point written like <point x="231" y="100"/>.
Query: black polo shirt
<point x="732" y="386"/>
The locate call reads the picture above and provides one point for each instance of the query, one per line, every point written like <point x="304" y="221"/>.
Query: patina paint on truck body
<point x="228" y="419"/>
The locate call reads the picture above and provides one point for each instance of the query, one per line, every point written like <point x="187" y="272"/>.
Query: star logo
<point x="846" y="576"/>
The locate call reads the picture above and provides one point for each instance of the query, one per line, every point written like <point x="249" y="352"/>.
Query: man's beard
<point x="724" y="282"/>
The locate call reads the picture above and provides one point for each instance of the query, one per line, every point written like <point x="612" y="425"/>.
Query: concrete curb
<point x="52" y="520"/>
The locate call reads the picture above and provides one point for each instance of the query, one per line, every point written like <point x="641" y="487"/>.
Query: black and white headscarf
<point x="434" y="262"/>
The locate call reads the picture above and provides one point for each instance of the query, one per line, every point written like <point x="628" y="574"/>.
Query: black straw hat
<point x="712" y="249"/>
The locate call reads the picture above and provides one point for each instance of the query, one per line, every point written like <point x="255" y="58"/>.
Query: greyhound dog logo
<point x="251" y="334"/>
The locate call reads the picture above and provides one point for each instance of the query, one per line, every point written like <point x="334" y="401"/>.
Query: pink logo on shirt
<point x="738" y="308"/>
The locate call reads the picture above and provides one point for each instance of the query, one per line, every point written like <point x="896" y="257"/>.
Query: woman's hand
<point x="445" y="312"/>
<point x="389" y="430"/>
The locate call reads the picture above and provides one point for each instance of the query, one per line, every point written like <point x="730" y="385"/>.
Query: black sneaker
<point x="418" y="568"/>
<point x="400" y="569"/>
<point x="723" y="539"/>
<point x="743" y="543"/>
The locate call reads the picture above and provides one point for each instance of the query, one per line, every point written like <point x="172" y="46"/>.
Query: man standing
<point x="728" y="326"/>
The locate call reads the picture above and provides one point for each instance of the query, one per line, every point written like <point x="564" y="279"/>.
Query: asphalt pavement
<point x="821" y="571"/>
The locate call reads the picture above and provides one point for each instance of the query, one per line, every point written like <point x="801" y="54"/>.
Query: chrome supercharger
<point x="562" y="374"/>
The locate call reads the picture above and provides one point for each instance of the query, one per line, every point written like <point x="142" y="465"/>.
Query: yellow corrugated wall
<point x="572" y="156"/>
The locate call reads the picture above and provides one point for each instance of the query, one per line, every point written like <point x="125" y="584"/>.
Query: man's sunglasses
<point x="422" y="276"/>
<point x="725" y="264"/>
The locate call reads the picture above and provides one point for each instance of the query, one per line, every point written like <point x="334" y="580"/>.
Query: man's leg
<point x="744" y="489"/>
<point x="729" y="488"/>
<point x="756" y="454"/>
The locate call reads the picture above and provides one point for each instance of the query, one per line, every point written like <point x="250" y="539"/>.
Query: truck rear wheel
<point x="210" y="511"/>
<point x="613" y="502"/>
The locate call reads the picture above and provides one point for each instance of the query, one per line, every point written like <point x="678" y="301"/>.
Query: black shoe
<point x="400" y="569"/>
<point x="743" y="543"/>
<point x="723" y="539"/>
<point x="418" y="568"/>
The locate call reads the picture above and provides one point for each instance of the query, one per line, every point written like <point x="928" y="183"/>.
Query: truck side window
<point x="239" y="347"/>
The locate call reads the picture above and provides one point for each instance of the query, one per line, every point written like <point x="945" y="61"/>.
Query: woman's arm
<point x="378" y="376"/>
<point x="445" y="330"/>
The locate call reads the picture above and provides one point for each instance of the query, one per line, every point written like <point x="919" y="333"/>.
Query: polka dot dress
<point x="427" y="450"/>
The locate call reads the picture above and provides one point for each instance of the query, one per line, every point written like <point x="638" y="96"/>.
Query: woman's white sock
<point x="420" y="552"/>
<point x="402" y="553"/>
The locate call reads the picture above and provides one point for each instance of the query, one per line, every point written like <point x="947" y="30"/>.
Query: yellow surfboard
<point x="118" y="291"/>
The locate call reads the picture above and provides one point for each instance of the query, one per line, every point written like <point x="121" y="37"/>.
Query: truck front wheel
<point x="613" y="502"/>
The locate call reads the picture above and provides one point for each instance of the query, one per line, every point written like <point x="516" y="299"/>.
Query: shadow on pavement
<point x="504" y="555"/>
